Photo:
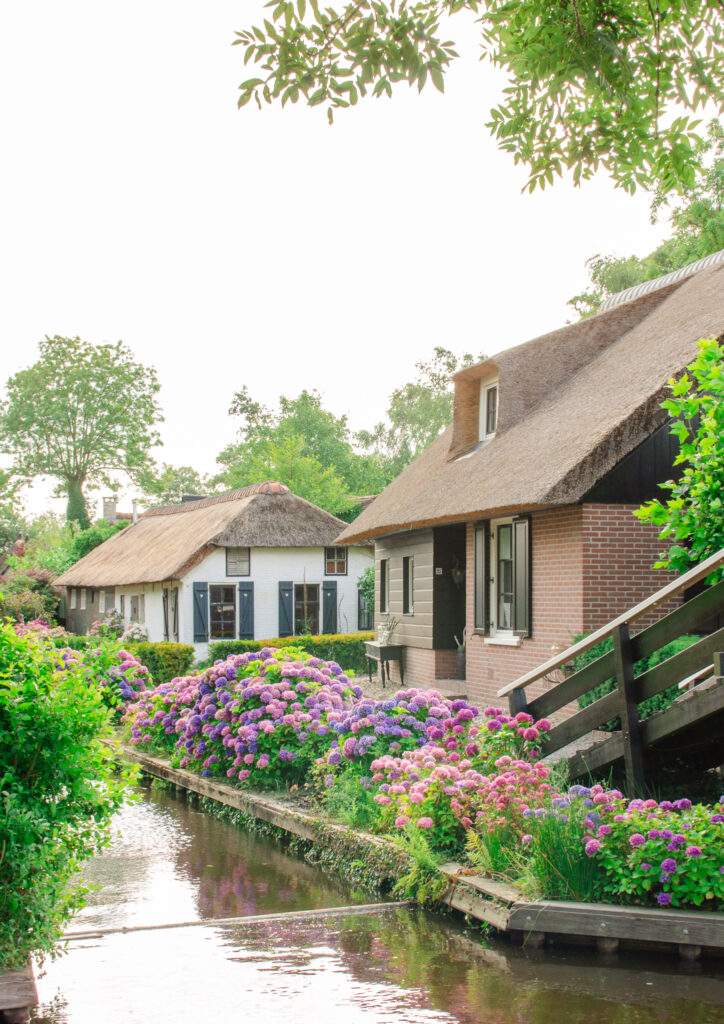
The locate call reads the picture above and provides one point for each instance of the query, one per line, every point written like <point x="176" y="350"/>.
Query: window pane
<point x="505" y="577"/>
<point x="491" y="410"/>
<point x="383" y="585"/>
<point x="335" y="561"/>
<point x="306" y="608"/>
<point x="222" y="612"/>
<point x="505" y="542"/>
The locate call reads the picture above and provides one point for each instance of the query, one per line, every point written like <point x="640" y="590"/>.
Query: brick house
<point x="251" y="564"/>
<point x="515" y="525"/>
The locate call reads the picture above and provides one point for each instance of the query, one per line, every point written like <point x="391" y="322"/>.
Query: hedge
<point x="347" y="649"/>
<point x="165" y="661"/>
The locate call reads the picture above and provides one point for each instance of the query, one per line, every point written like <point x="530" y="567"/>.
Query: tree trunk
<point x="76" y="509"/>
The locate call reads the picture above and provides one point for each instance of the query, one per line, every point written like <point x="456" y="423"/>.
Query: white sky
<point x="230" y="247"/>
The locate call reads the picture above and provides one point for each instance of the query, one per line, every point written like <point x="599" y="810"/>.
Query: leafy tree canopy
<point x="698" y="223"/>
<point x="692" y="519"/>
<point x="82" y="413"/>
<point x="11" y="520"/>
<point x="593" y="83"/>
<point x="303" y="446"/>
<point x="417" y="412"/>
<point x="166" y="485"/>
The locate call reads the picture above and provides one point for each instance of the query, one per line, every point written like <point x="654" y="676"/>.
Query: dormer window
<point x="488" y="410"/>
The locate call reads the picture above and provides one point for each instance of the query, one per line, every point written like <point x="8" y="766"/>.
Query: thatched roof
<point x="167" y="541"/>
<point x="571" y="405"/>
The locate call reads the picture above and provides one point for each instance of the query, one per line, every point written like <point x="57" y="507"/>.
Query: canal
<point x="170" y="862"/>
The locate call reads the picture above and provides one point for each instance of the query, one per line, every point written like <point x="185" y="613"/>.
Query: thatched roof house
<point x="263" y="533"/>
<point x="515" y="525"/>
<point x="571" y="405"/>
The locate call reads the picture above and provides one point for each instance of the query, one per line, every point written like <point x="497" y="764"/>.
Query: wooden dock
<point x="17" y="995"/>
<point x="531" y="922"/>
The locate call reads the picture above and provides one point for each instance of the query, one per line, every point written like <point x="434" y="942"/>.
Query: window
<point x="384" y="585"/>
<point x="502" y="577"/>
<point x="335" y="561"/>
<point x="122" y="606"/>
<point x="488" y="411"/>
<point x="238" y="561"/>
<point x="222" y="613"/>
<point x="138" y="608"/>
<point x="408" y="585"/>
<point x="82" y="599"/>
<point x="73" y="598"/>
<point x="365" y="614"/>
<point x="102" y="601"/>
<point x="306" y="608"/>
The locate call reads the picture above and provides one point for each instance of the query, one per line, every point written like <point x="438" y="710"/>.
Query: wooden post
<point x="517" y="701"/>
<point x="628" y="710"/>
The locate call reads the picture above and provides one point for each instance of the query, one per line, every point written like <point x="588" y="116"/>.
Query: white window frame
<point x="506" y="637"/>
<point x="234" y="557"/>
<point x="408" y="585"/>
<point x="334" y="559"/>
<point x="73" y="598"/>
<point x="82" y="605"/>
<point x="224" y="585"/>
<point x="101" y="601"/>
<point x="486" y="386"/>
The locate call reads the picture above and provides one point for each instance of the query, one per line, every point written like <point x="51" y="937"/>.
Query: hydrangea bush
<point x="260" y="717"/>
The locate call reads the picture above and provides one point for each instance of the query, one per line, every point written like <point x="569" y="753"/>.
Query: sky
<point x="266" y="249"/>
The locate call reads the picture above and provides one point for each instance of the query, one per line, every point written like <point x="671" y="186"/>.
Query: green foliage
<point x="58" y="791"/>
<point x="647" y="707"/>
<point x="11" y="520"/>
<point x="165" y="661"/>
<point x="592" y="84"/>
<point x="422" y="880"/>
<point x="303" y="446"/>
<point x="555" y="865"/>
<point x="347" y="649"/>
<point x="81" y="413"/>
<point x="166" y="485"/>
<point x="350" y="798"/>
<point x="698" y="222"/>
<point x="417" y="412"/>
<point x="366" y="585"/>
<point x="692" y="519"/>
<point x="25" y="596"/>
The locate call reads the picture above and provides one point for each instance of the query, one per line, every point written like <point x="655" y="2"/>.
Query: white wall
<point x="153" y="615"/>
<point x="269" y="566"/>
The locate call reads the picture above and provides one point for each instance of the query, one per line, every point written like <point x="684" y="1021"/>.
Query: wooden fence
<point x="630" y="690"/>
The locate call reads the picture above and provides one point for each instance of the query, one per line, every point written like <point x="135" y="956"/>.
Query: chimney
<point x="109" y="509"/>
<point x="134" y="505"/>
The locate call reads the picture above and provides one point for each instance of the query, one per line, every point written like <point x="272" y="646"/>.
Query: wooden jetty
<point x="17" y="995"/>
<point x="531" y="922"/>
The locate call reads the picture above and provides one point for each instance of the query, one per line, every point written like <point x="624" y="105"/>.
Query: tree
<point x="417" y="412"/>
<point x="11" y="520"/>
<point x="82" y="413"/>
<point x="692" y="519"/>
<point x="166" y="485"/>
<point x="593" y="83"/>
<point x="303" y="446"/>
<point x="698" y="222"/>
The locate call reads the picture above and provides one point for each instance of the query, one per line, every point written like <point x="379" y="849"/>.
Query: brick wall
<point x="618" y="557"/>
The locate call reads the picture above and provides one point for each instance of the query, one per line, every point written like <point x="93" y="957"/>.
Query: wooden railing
<point x="619" y="663"/>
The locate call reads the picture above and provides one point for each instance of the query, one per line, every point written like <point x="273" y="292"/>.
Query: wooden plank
<point x="602" y="920"/>
<point x="696" y="705"/>
<point x="676" y="586"/>
<point x="682" y="620"/>
<point x="591" y="760"/>
<point x="468" y="902"/>
<point x="491" y="887"/>
<point x="628" y="711"/>
<point x="677" y="667"/>
<point x="17" y="989"/>
<point x="570" y="689"/>
<point x="582" y="722"/>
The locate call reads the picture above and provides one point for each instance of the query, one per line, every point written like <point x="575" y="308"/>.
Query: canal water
<point x="170" y="862"/>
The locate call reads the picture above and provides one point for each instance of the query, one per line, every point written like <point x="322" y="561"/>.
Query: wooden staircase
<point x="692" y="725"/>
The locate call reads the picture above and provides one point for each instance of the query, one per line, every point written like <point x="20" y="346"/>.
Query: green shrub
<point x="165" y="661"/>
<point x="647" y="707"/>
<point x="58" y="791"/>
<point x="347" y="649"/>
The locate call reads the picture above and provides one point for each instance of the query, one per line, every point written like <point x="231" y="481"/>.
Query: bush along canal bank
<point x="485" y="826"/>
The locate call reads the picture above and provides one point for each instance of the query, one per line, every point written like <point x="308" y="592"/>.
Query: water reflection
<point x="398" y="966"/>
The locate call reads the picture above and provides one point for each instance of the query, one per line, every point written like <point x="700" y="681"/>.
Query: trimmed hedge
<point x="165" y="661"/>
<point x="347" y="649"/>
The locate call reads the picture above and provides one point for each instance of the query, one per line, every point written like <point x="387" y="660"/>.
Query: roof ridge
<point x="637" y="290"/>
<point x="266" y="487"/>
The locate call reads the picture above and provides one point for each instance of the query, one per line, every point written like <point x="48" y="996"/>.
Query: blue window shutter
<point x="246" y="610"/>
<point x="286" y="609"/>
<point x="329" y="606"/>
<point x="201" y="613"/>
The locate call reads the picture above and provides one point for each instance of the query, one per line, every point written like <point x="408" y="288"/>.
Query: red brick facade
<point x="589" y="563"/>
